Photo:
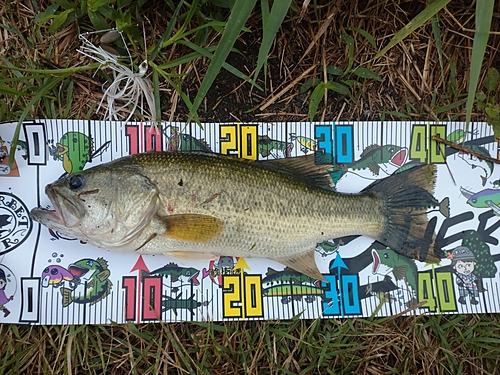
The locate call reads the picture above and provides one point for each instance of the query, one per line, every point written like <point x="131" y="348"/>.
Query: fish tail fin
<point x="66" y="297"/>
<point x="444" y="207"/>
<point x="405" y="199"/>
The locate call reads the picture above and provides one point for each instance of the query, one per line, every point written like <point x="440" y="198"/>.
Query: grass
<point x="424" y="76"/>
<point x="452" y="344"/>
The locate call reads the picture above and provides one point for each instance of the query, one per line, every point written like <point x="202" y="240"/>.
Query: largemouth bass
<point x="199" y="206"/>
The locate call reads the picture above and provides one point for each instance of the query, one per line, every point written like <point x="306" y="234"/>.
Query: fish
<point x="55" y="275"/>
<point x="266" y="146"/>
<point x="402" y="267"/>
<point x="176" y="273"/>
<point x="198" y="206"/>
<point x="307" y="144"/>
<point x="487" y="198"/>
<point x="374" y="157"/>
<point x="178" y="303"/>
<point x="90" y="281"/>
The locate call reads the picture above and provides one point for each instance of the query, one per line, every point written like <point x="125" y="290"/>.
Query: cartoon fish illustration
<point x="374" y="157"/>
<point x="178" y="141"/>
<point x="487" y="198"/>
<point x="307" y="144"/>
<point x="288" y="275"/>
<point x="91" y="282"/>
<point x="459" y="135"/>
<point x="475" y="162"/>
<point x="176" y="273"/>
<point x="289" y="292"/>
<point x="178" y="303"/>
<point x="74" y="149"/>
<point x="55" y="275"/>
<point x="328" y="248"/>
<point x="495" y="183"/>
<point x="199" y="205"/>
<point x="402" y="267"/>
<point x="267" y="146"/>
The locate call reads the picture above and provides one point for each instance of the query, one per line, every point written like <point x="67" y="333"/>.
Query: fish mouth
<point x="55" y="218"/>
<point x="77" y="271"/>
<point x="400" y="157"/>
<point x="376" y="261"/>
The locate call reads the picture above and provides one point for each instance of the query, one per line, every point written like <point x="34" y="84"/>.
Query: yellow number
<point x="231" y="296"/>
<point x="437" y="150"/>
<point x="248" y="149"/>
<point x="228" y="139"/>
<point x="253" y="296"/>
<point x="418" y="145"/>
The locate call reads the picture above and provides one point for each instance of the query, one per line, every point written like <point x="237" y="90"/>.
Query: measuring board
<point x="47" y="277"/>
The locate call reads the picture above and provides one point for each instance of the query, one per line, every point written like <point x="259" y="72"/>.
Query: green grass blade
<point x="239" y="15"/>
<point x="225" y="65"/>
<point x="415" y="23"/>
<point x="271" y="24"/>
<point x="51" y="82"/>
<point x="484" y="15"/>
<point x="436" y="31"/>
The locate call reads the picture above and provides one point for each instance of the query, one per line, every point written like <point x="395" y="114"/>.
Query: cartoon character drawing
<point x="185" y="142"/>
<point x="291" y="285"/>
<point x="74" y="149"/>
<point x="183" y="274"/>
<point x="7" y="288"/>
<point x="487" y="198"/>
<point x="464" y="262"/>
<point x="307" y="144"/>
<point x="267" y="146"/>
<point x="402" y="268"/>
<point x="222" y="266"/>
<point x="3" y="297"/>
<point x="5" y="170"/>
<point x="56" y="276"/>
<point x="90" y="282"/>
<point x="169" y="303"/>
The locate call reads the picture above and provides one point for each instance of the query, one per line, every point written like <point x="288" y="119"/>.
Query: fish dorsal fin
<point x="305" y="168"/>
<point x="304" y="263"/>
<point x="370" y="149"/>
<point x="192" y="227"/>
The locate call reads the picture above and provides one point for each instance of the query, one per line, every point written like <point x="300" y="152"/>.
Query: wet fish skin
<point x="196" y="206"/>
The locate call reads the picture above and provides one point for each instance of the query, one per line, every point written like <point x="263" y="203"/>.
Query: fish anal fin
<point x="66" y="296"/>
<point x="192" y="227"/>
<point x="304" y="263"/>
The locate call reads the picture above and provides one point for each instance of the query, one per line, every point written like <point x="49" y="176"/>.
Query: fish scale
<point x="198" y="206"/>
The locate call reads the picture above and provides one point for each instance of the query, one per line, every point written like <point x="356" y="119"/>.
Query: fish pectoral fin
<point x="399" y="272"/>
<point x="374" y="168"/>
<point x="191" y="255"/>
<point x="102" y="276"/>
<point x="493" y="206"/>
<point x="304" y="263"/>
<point x="192" y="227"/>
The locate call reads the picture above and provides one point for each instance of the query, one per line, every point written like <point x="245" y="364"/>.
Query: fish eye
<point x="89" y="263"/>
<point x="386" y="255"/>
<point x="474" y="200"/>
<point x="76" y="182"/>
<point x="54" y="271"/>
<point x="188" y="273"/>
